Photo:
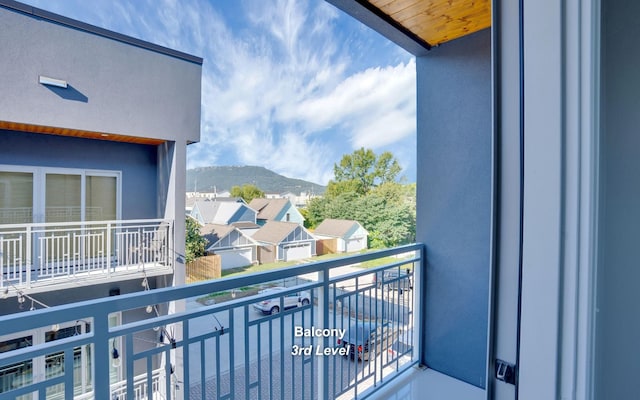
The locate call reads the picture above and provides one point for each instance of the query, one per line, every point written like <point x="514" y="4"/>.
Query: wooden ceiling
<point x="437" y="21"/>
<point x="50" y="130"/>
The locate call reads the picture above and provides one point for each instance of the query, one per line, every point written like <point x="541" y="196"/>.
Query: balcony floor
<point x="83" y="279"/>
<point x="428" y="384"/>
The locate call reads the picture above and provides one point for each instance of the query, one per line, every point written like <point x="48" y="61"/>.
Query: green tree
<point x="195" y="244"/>
<point x="365" y="189"/>
<point x="247" y="191"/>
<point x="363" y="170"/>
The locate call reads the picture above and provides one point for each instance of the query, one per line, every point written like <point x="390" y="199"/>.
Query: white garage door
<point x="297" y="252"/>
<point x="235" y="258"/>
<point x="355" y="244"/>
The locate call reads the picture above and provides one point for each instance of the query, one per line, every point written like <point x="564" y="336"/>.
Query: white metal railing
<point x="140" y="388"/>
<point x="31" y="253"/>
<point x="230" y="350"/>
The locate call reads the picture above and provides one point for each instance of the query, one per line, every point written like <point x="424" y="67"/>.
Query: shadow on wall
<point x="69" y="93"/>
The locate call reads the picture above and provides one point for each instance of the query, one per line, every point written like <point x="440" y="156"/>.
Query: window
<point x="49" y="366"/>
<point x="16" y="197"/>
<point x="34" y="194"/>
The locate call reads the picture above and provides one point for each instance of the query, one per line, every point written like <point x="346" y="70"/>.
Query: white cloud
<point x="281" y="86"/>
<point x="286" y="102"/>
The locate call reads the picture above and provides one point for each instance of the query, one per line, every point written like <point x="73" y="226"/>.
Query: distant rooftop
<point x="82" y="26"/>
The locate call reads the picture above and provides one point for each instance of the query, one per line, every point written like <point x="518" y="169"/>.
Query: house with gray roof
<point x="349" y="235"/>
<point x="222" y="212"/>
<point x="276" y="210"/>
<point x="235" y="248"/>
<point x="284" y="241"/>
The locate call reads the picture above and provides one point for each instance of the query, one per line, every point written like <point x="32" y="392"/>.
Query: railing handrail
<point x="377" y="303"/>
<point x="73" y="311"/>
<point x="86" y="223"/>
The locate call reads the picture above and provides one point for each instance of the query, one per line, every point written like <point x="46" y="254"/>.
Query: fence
<point x="204" y="268"/>
<point x="326" y="246"/>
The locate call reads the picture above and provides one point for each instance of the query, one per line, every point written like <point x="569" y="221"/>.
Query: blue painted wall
<point x="244" y="214"/>
<point x="294" y="214"/>
<point x="138" y="164"/>
<point x="617" y="321"/>
<point x="454" y="203"/>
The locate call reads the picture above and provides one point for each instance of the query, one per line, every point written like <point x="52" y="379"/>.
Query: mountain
<point x="223" y="178"/>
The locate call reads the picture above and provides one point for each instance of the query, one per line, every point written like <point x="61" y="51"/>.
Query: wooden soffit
<point x="50" y="130"/>
<point x="437" y="21"/>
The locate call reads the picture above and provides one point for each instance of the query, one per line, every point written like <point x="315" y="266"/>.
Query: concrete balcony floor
<point x="416" y="384"/>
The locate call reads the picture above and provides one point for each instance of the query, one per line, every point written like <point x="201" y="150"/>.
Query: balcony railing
<point x="37" y="253"/>
<point x="228" y="348"/>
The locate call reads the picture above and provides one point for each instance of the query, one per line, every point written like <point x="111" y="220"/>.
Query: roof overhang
<point x="51" y="130"/>
<point x="417" y="25"/>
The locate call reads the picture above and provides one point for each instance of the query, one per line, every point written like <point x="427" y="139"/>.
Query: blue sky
<point x="288" y="85"/>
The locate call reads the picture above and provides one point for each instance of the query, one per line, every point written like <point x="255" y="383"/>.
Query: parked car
<point x="291" y="300"/>
<point x="369" y="337"/>
<point x="393" y="279"/>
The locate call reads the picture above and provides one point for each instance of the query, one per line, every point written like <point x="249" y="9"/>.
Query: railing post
<point x="323" y="322"/>
<point x="29" y="252"/>
<point x="102" y="354"/>
<point x="108" y="250"/>
<point x="418" y="311"/>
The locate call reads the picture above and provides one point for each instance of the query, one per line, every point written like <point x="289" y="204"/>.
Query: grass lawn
<point x="220" y="297"/>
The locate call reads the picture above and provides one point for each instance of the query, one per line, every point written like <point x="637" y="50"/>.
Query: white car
<point x="291" y="300"/>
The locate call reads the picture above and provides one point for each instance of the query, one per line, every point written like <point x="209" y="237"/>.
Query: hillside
<point x="223" y="178"/>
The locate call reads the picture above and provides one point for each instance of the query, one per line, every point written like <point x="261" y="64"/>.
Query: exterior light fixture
<point x="21" y="300"/>
<point x="116" y="361"/>
<point x="45" y="80"/>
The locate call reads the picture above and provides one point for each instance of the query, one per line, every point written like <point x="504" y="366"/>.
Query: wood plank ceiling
<point x="438" y="21"/>
<point x="49" y="130"/>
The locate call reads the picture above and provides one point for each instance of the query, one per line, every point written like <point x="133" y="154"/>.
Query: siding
<point x="114" y="87"/>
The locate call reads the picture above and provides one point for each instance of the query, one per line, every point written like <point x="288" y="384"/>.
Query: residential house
<point x="192" y="197"/>
<point x="209" y="195"/>
<point x="235" y="248"/>
<point x="300" y="200"/>
<point x="92" y="175"/>
<point x="248" y="228"/>
<point x="276" y="210"/>
<point x="284" y="241"/>
<point x="222" y="212"/>
<point x="342" y="235"/>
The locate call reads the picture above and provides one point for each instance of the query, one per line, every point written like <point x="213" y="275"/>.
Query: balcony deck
<point x="229" y="350"/>
<point x="416" y="384"/>
<point x="72" y="254"/>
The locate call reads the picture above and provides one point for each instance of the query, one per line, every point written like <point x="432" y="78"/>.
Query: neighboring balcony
<point x="36" y="256"/>
<point x="268" y="344"/>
